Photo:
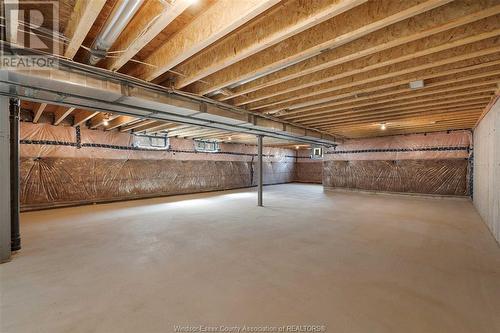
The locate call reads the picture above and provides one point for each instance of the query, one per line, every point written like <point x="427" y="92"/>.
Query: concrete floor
<point x="353" y="262"/>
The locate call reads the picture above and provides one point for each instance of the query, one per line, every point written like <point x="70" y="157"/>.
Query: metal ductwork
<point x="121" y="15"/>
<point x="86" y="87"/>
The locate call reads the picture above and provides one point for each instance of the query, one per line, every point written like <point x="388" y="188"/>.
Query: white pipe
<point x="121" y="15"/>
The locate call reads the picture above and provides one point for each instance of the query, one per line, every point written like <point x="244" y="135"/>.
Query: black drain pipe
<point x="15" y="237"/>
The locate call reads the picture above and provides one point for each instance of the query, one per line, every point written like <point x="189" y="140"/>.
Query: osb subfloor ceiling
<point x="354" y="68"/>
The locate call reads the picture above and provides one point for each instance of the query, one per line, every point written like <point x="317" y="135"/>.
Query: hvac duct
<point x="121" y="15"/>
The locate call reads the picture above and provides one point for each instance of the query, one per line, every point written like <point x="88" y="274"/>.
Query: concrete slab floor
<point x="350" y="261"/>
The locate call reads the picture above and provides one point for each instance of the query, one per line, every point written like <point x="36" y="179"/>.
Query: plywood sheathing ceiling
<point x="340" y="66"/>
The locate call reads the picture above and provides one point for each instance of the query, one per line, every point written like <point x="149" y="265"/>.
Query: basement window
<point x="206" y="146"/>
<point x="317" y="153"/>
<point x="151" y="142"/>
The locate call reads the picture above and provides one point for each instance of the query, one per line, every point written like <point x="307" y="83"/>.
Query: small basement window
<point x="317" y="153"/>
<point x="206" y="146"/>
<point x="151" y="142"/>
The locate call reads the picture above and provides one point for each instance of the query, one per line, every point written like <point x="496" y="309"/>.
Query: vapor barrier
<point x="57" y="181"/>
<point x="65" y="166"/>
<point x="434" y="163"/>
<point x="443" y="177"/>
<point x="309" y="172"/>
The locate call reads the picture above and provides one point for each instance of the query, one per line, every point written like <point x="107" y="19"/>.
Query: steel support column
<point x="14" y="108"/>
<point x="260" y="167"/>
<point x="5" y="221"/>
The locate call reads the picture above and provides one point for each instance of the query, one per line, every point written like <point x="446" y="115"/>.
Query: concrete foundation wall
<point x="487" y="169"/>
<point x="58" y="169"/>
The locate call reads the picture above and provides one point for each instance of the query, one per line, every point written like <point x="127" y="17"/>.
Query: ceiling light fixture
<point x="297" y="147"/>
<point x="417" y="84"/>
<point x="106" y="119"/>
<point x="383" y="126"/>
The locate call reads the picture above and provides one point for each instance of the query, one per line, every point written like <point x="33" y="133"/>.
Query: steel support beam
<point x="5" y="232"/>
<point x="260" y="170"/>
<point x="14" y="107"/>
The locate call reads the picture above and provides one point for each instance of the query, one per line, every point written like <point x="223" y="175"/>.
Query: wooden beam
<point x="430" y="85"/>
<point x="221" y="18"/>
<point x="432" y="78"/>
<point x="436" y="47"/>
<point x="81" y="117"/>
<point x="61" y="114"/>
<point x="374" y="131"/>
<point x="101" y="118"/>
<point x="337" y="31"/>
<point x="413" y="70"/>
<point x="152" y="18"/>
<point x="38" y="112"/>
<point x="147" y="126"/>
<point x="451" y="17"/>
<point x="161" y="127"/>
<point x="422" y="95"/>
<point x="83" y="17"/>
<point x="487" y="109"/>
<point x="120" y="121"/>
<point x="472" y="99"/>
<point x="456" y="54"/>
<point x="447" y="113"/>
<point x="284" y="21"/>
<point x="137" y="125"/>
<point x="428" y="120"/>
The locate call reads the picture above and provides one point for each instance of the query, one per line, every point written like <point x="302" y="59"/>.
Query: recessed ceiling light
<point x="383" y="126"/>
<point x="297" y="147"/>
<point x="105" y="123"/>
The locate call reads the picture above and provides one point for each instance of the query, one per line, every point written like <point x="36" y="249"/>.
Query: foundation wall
<point x="308" y="170"/>
<point x="436" y="163"/>
<point x="486" y="195"/>
<point x="61" y="167"/>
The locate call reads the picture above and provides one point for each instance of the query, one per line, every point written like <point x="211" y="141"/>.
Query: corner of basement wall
<point x="486" y="143"/>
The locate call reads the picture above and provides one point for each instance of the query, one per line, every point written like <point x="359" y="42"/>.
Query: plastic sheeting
<point x="401" y="147"/>
<point x="49" y="182"/>
<point x="443" y="177"/>
<point x="56" y="172"/>
<point x="309" y="172"/>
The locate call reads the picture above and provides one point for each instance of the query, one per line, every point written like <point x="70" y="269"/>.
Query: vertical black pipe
<point x="260" y="170"/>
<point x="15" y="237"/>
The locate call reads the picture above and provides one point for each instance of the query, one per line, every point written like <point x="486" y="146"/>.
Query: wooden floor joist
<point x="453" y="18"/>
<point x="152" y="18"/>
<point x="38" y="112"/>
<point x="83" y="17"/>
<point x="483" y="97"/>
<point x="220" y="19"/>
<point x="337" y="66"/>
<point x="61" y="114"/>
<point x="435" y="49"/>
<point x="396" y="73"/>
<point x="472" y="78"/>
<point x="286" y="20"/>
<point x="82" y="116"/>
<point x="424" y="95"/>
<point x="339" y="30"/>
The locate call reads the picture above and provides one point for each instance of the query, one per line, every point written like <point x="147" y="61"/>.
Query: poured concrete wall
<point x="487" y="169"/>
<point x="59" y="168"/>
